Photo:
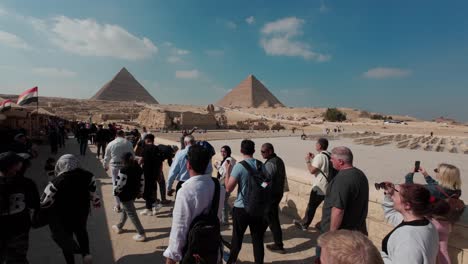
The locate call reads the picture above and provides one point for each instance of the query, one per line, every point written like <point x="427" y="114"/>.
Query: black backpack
<point x="332" y="172"/>
<point x="204" y="244"/>
<point x="258" y="196"/>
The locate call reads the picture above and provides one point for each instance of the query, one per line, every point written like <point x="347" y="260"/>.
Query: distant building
<point x="445" y="120"/>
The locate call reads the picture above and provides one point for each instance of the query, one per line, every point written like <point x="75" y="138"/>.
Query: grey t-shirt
<point x="349" y="191"/>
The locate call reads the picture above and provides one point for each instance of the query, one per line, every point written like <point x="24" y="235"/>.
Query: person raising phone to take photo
<point x="447" y="184"/>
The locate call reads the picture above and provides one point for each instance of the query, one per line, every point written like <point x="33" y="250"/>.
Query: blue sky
<point x="405" y="57"/>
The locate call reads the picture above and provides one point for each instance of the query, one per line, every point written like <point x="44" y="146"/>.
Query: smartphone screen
<point x="416" y="165"/>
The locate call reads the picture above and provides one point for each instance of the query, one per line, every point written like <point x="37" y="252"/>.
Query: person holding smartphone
<point x="447" y="184"/>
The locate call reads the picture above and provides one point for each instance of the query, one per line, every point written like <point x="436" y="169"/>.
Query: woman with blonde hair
<point x="447" y="184"/>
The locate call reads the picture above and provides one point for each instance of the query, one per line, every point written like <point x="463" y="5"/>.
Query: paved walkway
<point x="108" y="247"/>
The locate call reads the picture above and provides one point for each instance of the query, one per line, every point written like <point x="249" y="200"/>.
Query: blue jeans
<point x="129" y="211"/>
<point x="226" y="209"/>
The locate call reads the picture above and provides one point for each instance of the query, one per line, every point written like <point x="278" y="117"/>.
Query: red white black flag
<point x="29" y="96"/>
<point x="5" y="105"/>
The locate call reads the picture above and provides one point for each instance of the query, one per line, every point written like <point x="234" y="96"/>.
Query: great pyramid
<point x="124" y="87"/>
<point x="250" y="93"/>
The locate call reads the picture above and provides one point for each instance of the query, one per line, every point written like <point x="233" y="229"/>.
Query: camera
<point x="380" y="185"/>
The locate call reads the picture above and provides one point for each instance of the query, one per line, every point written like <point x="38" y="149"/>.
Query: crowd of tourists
<point x="423" y="215"/>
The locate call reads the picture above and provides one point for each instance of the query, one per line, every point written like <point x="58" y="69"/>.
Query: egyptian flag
<point x="5" y="105"/>
<point x="29" y="96"/>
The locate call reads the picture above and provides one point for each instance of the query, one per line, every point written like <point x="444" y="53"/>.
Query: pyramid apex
<point x="250" y="93"/>
<point x="124" y="87"/>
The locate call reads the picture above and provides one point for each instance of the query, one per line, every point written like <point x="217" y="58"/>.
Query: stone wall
<point x="204" y="121"/>
<point x="294" y="204"/>
<point x="154" y="118"/>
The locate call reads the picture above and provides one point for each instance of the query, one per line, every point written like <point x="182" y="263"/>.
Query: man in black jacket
<point x="102" y="137"/>
<point x="19" y="200"/>
<point x="275" y="170"/>
<point x="152" y="165"/>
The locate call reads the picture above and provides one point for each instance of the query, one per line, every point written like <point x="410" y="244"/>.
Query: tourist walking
<point x="68" y="198"/>
<point x="102" y="137"/>
<point x="152" y="166"/>
<point x="83" y="137"/>
<point x="414" y="239"/>
<point x="195" y="199"/>
<point x="221" y="167"/>
<point x="319" y="166"/>
<point x="130" y="185"/>
<point x="168" y="153"/>
<point x="54" y="138"/>
<point x="113" y="159"/>
<point x="241" y="219"/>
<point x="19" y="200"/>
<point x="178" y="170"/>
<point x="275" y="170"/>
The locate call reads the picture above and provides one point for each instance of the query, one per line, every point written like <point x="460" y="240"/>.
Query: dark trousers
<point x="274" y="222"/>
<point x="178" y="186"/>
<point x="314" y="201"/>
<point x="62" y="233"/>
<point x="257" y="225"/>
<point x="162" y="187"/>
<point x="53" y="148"/>
<point x="101" y="145"/>
<point x="150" y="192"/>
<point x="83" y="146"/>
<point x="14" y="249"/>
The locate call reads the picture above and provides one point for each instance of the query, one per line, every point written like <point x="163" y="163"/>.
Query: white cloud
<point x="181" y="52"/>
<point x="11" y="40"/>
<point x="279" y="39"/>
<point x="231" y="25"/>
<point x="383" y="73"/>
<point x="250" y="20"/>
<point x="193" y="74"/>
<point x="291" y="26"/>
<point x="323" y="8"/>
<point x="3" y="12"/>
<point x="87" y="37"/>
<point x="53" y="72"/>
<point x="214" y="53"/>
<point x="174" y="59"/>
<point x="176" y="54"/>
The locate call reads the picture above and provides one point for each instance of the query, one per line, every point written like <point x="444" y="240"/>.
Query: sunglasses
<point x="436" y="170"/>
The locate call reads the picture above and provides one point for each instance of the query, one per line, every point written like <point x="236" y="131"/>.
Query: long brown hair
<point x="421" y="201"/>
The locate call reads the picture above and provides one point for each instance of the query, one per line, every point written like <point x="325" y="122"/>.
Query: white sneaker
<point x="157" y="208"/>
<point x="146" y="212"/>
<point x="139" y="238"/>
<point x="116" y="229"/>
<point x="117" y="209"/>
<point x="87" y="259"/>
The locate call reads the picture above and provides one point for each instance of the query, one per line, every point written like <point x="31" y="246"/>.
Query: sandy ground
<point x="108" y="247"/>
